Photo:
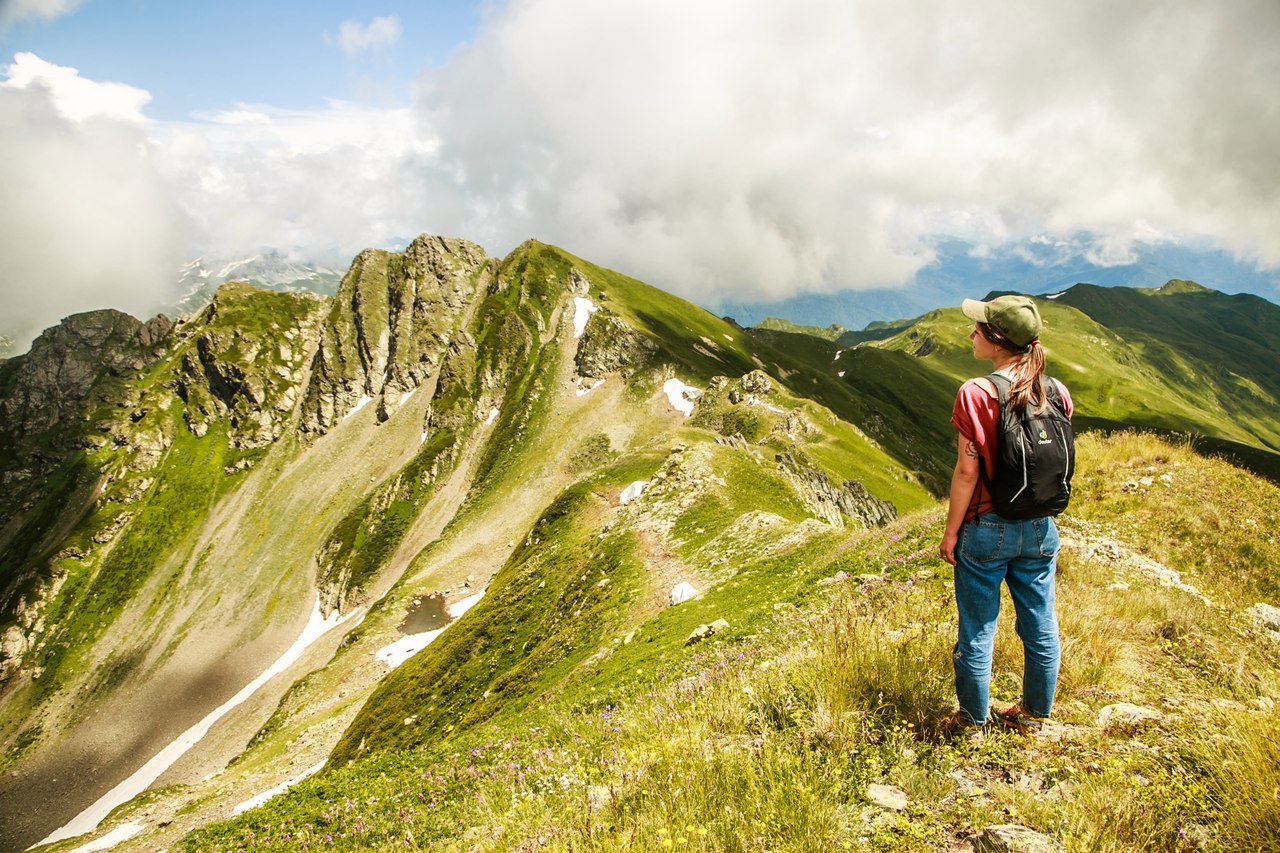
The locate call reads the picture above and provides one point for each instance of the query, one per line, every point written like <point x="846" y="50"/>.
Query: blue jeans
<point x="1023" y="554"/>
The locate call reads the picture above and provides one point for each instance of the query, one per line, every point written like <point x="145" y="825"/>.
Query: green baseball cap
<point x="1015" y="318"/>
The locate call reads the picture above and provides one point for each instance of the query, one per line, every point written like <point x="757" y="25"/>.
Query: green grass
<point x="367" y="537"/>
<point x="767" y="736"/>
<point x="93" y="596"/>
<point x="541" y="615"/>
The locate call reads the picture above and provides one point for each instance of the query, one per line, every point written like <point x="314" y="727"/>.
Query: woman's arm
<point x="963" y="481"/>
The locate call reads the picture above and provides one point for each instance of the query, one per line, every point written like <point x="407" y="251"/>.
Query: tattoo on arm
<point x="971" y="450"/>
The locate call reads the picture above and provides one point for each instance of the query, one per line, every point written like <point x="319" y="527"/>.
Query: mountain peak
<point x="1180" y="285"/>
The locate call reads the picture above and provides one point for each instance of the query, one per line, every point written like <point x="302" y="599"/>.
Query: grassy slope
<point x="160" y="520"/>
<point x="1225" y="350"/>
<point x="433" y="688"/>
<point x="768" y="735"/>
<point x="686" y="332"/>
<point x="1114" y="382"/>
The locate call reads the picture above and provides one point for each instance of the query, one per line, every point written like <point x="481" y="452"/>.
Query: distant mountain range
<point x="1033" y="268"/>
<point x="199" y="280"/>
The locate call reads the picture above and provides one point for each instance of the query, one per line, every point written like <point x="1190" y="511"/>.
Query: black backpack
<point x="1035" y="457"/>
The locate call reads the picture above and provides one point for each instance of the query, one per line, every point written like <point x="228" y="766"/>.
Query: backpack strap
<point x="1047" y="383"/>
<point x="1003" y="385"/>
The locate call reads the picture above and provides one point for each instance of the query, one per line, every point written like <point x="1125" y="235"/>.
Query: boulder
<point x="703" y="631"/>
<point x="1008" y="838"/>
<point x="632" y="492"/>
<point x="887" y="797"/>
<point x="1265" y="616"/>
<point x="1125" y="715"/>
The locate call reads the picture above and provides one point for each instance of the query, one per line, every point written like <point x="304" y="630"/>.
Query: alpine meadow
<point x="526" y="554"/>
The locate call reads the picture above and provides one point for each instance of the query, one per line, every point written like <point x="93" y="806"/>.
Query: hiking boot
<point x="1019" y="720"/>
<point x="957" y="727"/>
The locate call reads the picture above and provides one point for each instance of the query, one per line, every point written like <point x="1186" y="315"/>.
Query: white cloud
<point x="767" y="147"/>
<point x="87" y="222"/>
<point x="76" y="97"/>
<point x="343" y="178"/>
<point x="728" y="147"/>
<point x="242" y="114"/>
<point x="355" y="38"/>
<point x="15" y="11"/>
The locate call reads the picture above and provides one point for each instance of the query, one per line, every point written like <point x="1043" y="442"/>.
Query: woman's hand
<point x="947" y="548"/>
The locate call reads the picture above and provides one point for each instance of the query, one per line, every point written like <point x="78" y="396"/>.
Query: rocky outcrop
<point x="390" y="325"/>
<point x="59" y="379"/>
<point x="609" y="345"/>
<point x="247" y="362"/>
<point x="822" y="498"/>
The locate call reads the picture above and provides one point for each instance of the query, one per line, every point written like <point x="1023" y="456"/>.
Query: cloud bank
<point x="766" y="148"/>
<point x="728" y="148"/>
<point x="87" y="222"/>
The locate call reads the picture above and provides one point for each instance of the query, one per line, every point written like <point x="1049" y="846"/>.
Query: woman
<point x="986" y="548"/>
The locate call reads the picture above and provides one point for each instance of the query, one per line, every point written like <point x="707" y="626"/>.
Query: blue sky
<point x="202" y="56"/>
<point x="726" y="149"/>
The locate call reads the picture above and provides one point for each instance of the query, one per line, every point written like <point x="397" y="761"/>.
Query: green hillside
<point x="777" y="732"/>
<point x="557" y="447"/>
<point x="1178" y="360"/>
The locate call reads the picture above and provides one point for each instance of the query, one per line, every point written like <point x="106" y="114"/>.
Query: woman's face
<point x="983" y="349"/>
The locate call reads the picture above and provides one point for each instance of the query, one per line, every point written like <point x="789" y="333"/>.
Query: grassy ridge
<point x="768" y="736"/>
<point x="1128" y="380"/>
<point x="542" y="614"/>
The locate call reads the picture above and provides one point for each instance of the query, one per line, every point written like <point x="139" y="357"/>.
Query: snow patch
<point x="839" y="353"/>
<point x="493" y="416"/>
<point x="409" y="645"/>
<point x="840" y="373"/>
<point x="583" y="390"/>
<point x="406" y="397"/>
<point x="364" y="400"/>
<point x="226" y="271"/>
<point x="632" y="491"/>
<point x="583" y="308"/>
<point x="680" y="395"/>
<point x="1056" y="295"/>
<point x="682" y="592"/>
<point x="753" y="400"/>
<point x="459" y="607"/>
<point x="254" y="802"/>
<point x="119" y="835"/>
<point x="406" y="647"/>
<point x="88" y="820"/>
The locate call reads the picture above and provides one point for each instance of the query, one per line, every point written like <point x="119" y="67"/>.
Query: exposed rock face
<point x="247" y="362"/>
<point x="52" y="382"/>
<point x="833" y="504"/>
<point x="608" y="344"/>
<point x="390" y="325"/>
